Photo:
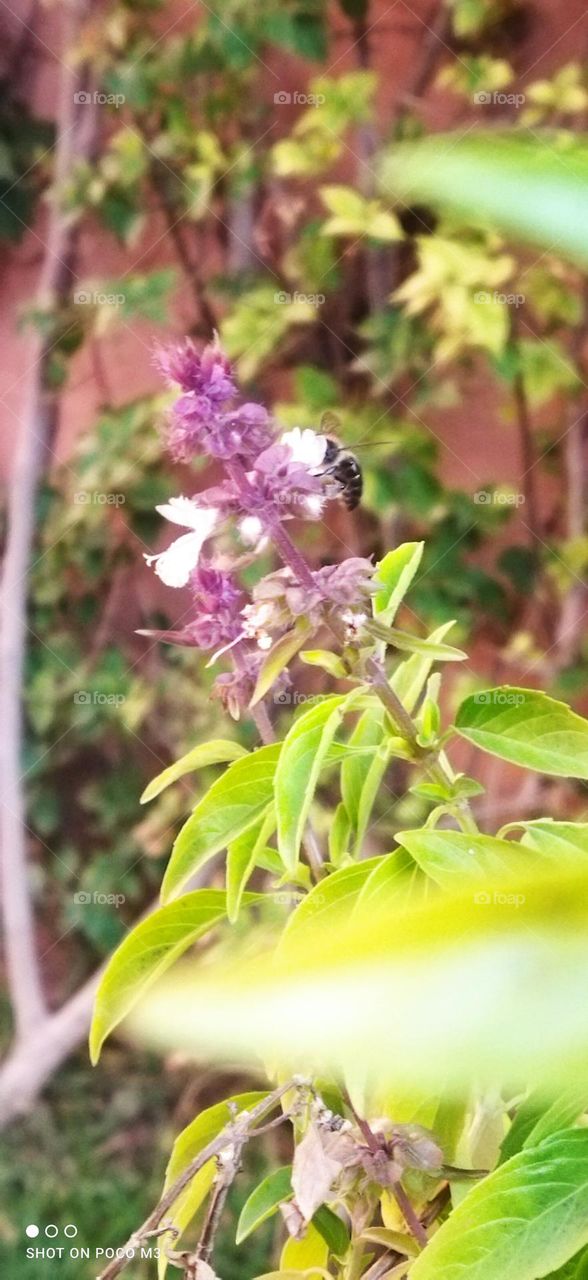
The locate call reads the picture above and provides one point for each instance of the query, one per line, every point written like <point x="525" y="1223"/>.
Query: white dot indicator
<point x="32" y="1230"/>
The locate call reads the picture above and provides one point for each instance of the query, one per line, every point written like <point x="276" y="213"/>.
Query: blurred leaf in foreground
<point x="490" y="983"/>
<point x="533" y="187"/>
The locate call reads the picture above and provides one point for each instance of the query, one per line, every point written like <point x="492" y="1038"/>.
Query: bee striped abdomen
<point x="343" y="466"/>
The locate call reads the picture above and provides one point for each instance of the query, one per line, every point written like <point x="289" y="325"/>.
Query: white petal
<point x="185" y="511"/>
<point x="313" y="504"/>
<point x="305" y="446"/>
<point x="175" y="565"/>
<point x="250" y="530"/>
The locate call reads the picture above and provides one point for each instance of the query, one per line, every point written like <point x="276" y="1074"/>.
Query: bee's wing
<point x="329" y="423"/>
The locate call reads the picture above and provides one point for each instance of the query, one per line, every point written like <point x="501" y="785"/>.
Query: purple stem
<point x="288" y="552"/>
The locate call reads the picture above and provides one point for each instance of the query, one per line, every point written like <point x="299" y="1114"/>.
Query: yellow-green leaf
<point x="215" y="752"/>
<point x="394" y="574"/>
<point x="303" y="753"/>
<point x="231" y="806"/>
<point x="193" y="1139"/>
<point x="522" y="1221"/>
<point x="264" y="1201"/>
<point x="242" y="857"/>
<point x="147" y="951"/>
<point x="527" y="728"/>
<point x="278" y="657"/>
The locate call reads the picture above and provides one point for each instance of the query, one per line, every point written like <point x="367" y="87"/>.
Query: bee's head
<point x="332" y="450"/>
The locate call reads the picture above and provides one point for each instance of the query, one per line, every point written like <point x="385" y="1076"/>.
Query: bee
<point x="341" y="464"/>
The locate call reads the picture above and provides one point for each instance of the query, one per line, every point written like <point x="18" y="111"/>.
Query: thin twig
<point x="234" y="1134"/>
<point x="226" y="1174"/>
<point x="528" y="458"/>
<point x="169" y="207"/>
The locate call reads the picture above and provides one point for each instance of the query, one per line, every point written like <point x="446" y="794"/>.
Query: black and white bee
<point x="341" y="464"/>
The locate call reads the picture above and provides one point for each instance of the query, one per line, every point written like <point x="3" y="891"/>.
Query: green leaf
<point x="369" y="792"/>
<point x="404" y="641"/>
<point x="305" y="1255"/>
<point x="189" y="1143"/>
<point x="215" y="752"/>
<point x="395" y="572"/>
<point x="328" y="661"/>
<point x="529" y="186"/>
<point x="344" y="201"/>
<point x="339" y="835"/>
<point x="450" y="857"/>
<point x="278" y="657"/>
<point x="367" y="734"/>
<point x="328" y="898"/>
<point x="332" y="1229"/>
<point x="527" y="1114"/>
<point x="526" y="728"/>
<point x="264" y="1201"/>
<point x="150" y="948"/>
<point x="391" y="1240"/>
<point x="356" y="216"/>
<point x="303" y="753"/>
<point x="410" y="677"/>
<point x="566" y="840"/>
<point x="231" y="806"/>
<point x="242" y="856"/>
<point x="575" y="1269"/>
<point x="525" y="1219"/>
<point x="393" y="875"/>
<point x="535" y="1120"/>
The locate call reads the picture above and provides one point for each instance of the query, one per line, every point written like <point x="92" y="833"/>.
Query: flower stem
<point x="287" y="550"/>
<point x="437" y="767"/>
<point x="292" y="557"/>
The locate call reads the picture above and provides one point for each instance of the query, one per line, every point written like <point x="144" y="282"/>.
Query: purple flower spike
<point x="205" y="418"/>
<point x="269" y="479"/>
<point x="207" y="374"/>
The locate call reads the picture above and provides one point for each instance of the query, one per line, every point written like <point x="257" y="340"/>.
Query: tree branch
<point x="235" y="1135"/>
<point x="74" y="139"/>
